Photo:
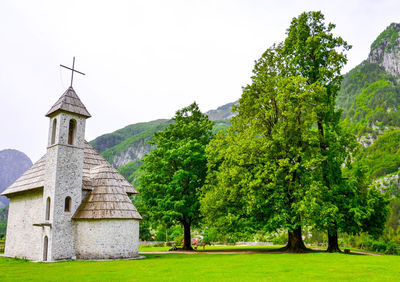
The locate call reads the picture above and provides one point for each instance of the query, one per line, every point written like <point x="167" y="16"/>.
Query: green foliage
<point x="368" y="243"/>
<point x="392" y="229"/>
<point x="282" y="156"/>
<point x="212" y="234"/>
<point x="220" y="125"/>
<point x="176" y="169"/>
<point x="383" y="156"/>
<point x="315" y="53"/>
<point x="131" y="170"/>
<point x="3" y="221"/>
<point x="369" y="98"/>
<point x="260" y="171"/>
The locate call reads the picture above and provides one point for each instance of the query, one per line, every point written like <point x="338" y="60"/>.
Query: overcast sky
<point x="146" y="59"/>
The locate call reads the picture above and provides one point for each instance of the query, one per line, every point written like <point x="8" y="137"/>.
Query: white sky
<point x="146" y="59"/>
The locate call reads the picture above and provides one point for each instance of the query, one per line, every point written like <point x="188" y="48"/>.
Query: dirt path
<point x="230" y="252"/>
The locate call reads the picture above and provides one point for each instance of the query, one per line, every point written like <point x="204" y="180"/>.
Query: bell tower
<point x="62" y="191"/>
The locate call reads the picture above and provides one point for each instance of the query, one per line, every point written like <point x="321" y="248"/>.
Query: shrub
<point x="392" y="249"/>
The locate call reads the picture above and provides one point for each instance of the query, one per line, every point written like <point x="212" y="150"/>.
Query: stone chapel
<point x="71" y="203"/>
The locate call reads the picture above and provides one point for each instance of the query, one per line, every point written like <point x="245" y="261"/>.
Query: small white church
<point x="71" y="203"/>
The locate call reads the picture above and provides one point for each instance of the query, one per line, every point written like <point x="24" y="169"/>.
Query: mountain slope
<point x="13" y="164"/>
<point x="130" y="144"/>
<point x="125" y="147"/>
<point x="222" y="113"/>
<point x="370" y="97"/>
<point x="385" y="50"/>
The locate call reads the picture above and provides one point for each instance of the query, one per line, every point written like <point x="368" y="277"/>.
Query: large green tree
<point x="345" y="202"/>
<point x="312" y="54"/>
<point x="317" y="55"/>
<point x="261" y="170"/>
<point x="174" y="172"/>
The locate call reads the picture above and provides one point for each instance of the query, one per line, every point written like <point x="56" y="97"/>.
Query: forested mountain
<point x="129" y="143"/>
<point x="370" y="98"/>
<point x="125" y="147"/>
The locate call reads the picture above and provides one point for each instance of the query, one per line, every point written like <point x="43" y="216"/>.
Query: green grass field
<point x="316" y="266"/>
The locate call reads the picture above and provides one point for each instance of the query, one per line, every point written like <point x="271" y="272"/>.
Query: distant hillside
<point x="13" y="164"/>
<point x="370" y="98"/>
<point x="222" y="113"/>
<point x="130" y="144"/>
<point x="125" y="147"/>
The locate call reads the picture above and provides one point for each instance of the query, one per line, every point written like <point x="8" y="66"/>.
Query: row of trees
<point x="284" y="163"/>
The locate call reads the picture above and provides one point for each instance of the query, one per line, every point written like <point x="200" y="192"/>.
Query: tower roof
<point x="69" y="102"/>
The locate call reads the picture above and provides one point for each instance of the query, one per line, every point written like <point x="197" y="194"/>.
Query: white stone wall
<point x="106" y="238"/>
<point x="23" y="239"/>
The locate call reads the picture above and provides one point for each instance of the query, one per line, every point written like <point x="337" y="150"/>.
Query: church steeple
<point x="67" y="120"/>
<point x="62" y="192"/>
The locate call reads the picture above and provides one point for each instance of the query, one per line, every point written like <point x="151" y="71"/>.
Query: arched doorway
<point x="45" y="248"/>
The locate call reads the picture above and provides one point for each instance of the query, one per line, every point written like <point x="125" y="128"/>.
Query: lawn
<point x="211" y="267"/>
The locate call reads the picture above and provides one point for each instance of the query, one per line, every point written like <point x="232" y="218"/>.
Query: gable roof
<point x="69" y="102"/>
<point x="108" y="198"/>
<point x="33" y="178"/>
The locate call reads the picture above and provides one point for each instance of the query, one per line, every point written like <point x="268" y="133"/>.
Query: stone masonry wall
<point x="106" y="238"/>
<point x="63" y="179"/>
<point x="23" y="239"/>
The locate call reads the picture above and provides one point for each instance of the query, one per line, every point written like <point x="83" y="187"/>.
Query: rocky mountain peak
<point x="222" y="113"/>
<point x="385" y="51"/>
<point x="13" y="164"/>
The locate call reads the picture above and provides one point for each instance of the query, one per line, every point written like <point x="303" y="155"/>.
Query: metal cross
<point x="73" y="70"/>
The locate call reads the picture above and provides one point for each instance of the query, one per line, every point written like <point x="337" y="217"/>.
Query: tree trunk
<point x="333" y="244"/>
<point x="187" y="241"/>
<point x="295" y="242"/>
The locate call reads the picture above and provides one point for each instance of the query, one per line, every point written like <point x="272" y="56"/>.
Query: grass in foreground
<point x="211" y="267"/>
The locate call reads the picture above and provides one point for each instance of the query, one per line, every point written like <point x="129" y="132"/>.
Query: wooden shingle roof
<point x="108" y="198"/>
<point x="71" y="103"/>
<point x="93" y="159"/>
<point x="33" y="178"/>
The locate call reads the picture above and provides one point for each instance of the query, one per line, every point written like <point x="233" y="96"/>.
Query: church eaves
<point x="71" y="103"/>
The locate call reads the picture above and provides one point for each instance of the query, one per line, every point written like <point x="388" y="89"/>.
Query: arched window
<point x="53" y="132"/>
<point x="48" y="208"/>
<point x="71" y="131"/>
<point x="45" y="247"/>
<point x="67" y="207"/>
